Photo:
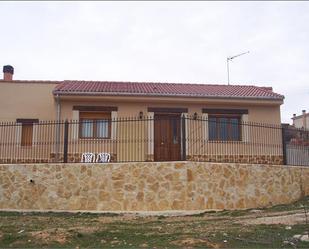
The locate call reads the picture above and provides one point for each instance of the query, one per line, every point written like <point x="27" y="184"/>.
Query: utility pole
<point x="228" y="59"/>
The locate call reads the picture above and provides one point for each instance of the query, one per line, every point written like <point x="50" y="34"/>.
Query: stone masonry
<point x="149" y="186"/>
<point x="255" y="159"/>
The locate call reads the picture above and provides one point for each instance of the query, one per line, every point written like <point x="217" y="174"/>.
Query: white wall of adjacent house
<point x="299" y="122"/>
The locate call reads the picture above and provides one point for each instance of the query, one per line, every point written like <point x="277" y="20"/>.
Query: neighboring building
<point x="29" y="102"/>
<point x="301" y="121"/>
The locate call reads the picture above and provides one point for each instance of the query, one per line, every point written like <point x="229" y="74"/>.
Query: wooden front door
<point x="167" y="142"/>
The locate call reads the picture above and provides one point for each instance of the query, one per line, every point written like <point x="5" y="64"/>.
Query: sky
<point x="185" y="42"/>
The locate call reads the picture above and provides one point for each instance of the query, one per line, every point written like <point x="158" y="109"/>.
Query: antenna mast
<point x="228" y="59"/>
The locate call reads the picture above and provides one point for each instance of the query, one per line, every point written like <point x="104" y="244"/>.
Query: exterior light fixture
<point x="141" y="114"/>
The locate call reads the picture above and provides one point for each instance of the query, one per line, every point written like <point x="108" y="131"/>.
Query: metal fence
<point x="296" y="146"/>
<point x="164" y="138"/>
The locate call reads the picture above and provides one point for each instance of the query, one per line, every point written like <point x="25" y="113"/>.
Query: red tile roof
<point x="164" y="89"/>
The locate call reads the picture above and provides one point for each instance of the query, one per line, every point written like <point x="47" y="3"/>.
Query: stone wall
<point x="149" y="186"/>
<point x="255" y="159"/>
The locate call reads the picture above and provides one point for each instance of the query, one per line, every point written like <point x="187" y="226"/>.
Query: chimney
<point x="8" y="72"/>
<point x="304" y="120"/>
<point x="294" y="116"/>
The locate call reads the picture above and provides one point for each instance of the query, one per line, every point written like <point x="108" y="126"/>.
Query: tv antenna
<point x="228" y="59"/>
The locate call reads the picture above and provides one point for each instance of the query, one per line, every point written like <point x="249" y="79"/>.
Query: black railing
<point x="158" y="138"/>
<point x="296" y="146"/>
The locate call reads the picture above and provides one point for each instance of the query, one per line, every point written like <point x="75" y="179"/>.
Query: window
<point x="26" y="131"/>
<point x="26" y="134"/>
<point x="224" y="127"/>
<point x="95" y="124"/>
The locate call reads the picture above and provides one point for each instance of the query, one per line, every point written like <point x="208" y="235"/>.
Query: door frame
<point x="180" y="135"/>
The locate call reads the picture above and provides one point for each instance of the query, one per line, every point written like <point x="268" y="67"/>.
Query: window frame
<point x="229" y="123"/>
<point x="26" y="123"/>
<point x="26" y="134"/>
<point x="94" y="117"/>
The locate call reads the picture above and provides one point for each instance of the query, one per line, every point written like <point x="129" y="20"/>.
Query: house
<point x="197" y="121"/>
<point x="297" y="134"/>
<point x="301" y="121"/>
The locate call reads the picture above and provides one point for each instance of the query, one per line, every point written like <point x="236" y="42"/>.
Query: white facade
<point x="301" y="121"/>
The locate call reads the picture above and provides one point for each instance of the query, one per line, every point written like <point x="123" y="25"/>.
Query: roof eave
<point x="31" y="81"/>
<point x="300" y="116"/>
<point x="76" y="93"/>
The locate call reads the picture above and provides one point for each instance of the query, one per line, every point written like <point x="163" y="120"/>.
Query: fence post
<point x="283" y="145"/>
<point x="183" y="133"/>
<point x="65" y="141"/>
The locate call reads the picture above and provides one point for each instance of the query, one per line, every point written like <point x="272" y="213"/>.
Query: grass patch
<point x="300" y="204"/>
<point x="204" y="230"/>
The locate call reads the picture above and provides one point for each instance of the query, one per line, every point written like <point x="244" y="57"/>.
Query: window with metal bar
<point x="26" y="134"/>
<point x="95" y="125"/>
<point x="26" y="130"/>
<point x="224" y="127"/>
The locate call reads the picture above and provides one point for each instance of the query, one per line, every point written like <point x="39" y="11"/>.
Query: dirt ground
<point x="286" y="218"/>
<point x="274" y="227"/>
